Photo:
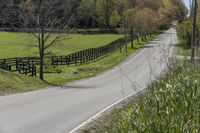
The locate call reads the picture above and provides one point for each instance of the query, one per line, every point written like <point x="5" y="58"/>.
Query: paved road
<point x="59" y="110"/>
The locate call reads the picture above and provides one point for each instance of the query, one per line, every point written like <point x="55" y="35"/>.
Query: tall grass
<point x="171" y="105"/>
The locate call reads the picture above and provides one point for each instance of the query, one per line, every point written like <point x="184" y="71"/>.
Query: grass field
<point x="187" y="52"/>
<point x="183" y="51"/>
<point x="66" y="74"/>
<point x="21" y="44"/>
<point x="170" y="105"/>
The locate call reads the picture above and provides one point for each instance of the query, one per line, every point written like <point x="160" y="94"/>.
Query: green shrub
<point x="184" y="33"/>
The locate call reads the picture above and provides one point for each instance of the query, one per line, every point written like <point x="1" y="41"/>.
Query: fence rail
<point x="88" y="55"/>
<point x="24" y="65"/>
<point x="27" y="69"/>
<point x="27" y="65"/>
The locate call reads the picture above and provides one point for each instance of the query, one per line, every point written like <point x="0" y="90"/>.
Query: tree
<point x="104" y="10"/>
<point x="130" y="23"/>
<point x="5" y="10"/>
<point x="140" y="22"/>
<point x="86" y="11"/>
<point x="147" y="19"/>
<point x="151" y="4"/>
<point x="184" y="33"/>
<point x="49" y="19"/>
<point x="114" y="19"/>
<point x="194" y="31"/>
<point x="179" y="10"/>
<point x="121" y="6"/>
<point x="172" y="10"/>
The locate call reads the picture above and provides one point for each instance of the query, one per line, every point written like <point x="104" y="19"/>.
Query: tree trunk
<point x="42" y="54"/>
<point x="107" y="13"/>
<point x="142" y="37"/>
<point x="42" y="65"/>
<point x="131" y="38"/>
<point x="194" y="31"/>
<point x="126" y="50"/>
<point x="137" y="39"/>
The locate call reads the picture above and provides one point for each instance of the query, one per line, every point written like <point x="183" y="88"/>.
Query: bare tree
<point x="48" y="21"/>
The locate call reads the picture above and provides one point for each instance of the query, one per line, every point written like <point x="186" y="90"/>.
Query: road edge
<point x="100" y="113"/>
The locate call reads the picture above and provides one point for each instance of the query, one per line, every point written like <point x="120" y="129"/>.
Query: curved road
<point x="61" y="109"/>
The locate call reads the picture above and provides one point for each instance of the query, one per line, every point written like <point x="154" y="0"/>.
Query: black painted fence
<point x="88" y="55"/>
<point x="24" y="65"/>
<point x="27" y="65"/>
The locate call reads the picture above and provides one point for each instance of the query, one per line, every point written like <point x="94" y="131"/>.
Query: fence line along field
<point x="13" y="44"/>
<point x="22" y="44"/>
<point x="27" y="65"/>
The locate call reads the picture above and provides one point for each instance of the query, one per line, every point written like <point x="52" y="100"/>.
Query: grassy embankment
<point x="16" y="44"/>
<point x="170" y="105"/>
<point x="183" y="51"/>
<point x="187" y="52"/>
<point x="14" y="83"/>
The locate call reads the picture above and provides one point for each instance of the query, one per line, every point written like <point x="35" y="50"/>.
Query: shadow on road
<point x="76" y="87"/>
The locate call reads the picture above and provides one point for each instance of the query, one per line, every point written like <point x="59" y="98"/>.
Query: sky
<point x="186" y="3"/>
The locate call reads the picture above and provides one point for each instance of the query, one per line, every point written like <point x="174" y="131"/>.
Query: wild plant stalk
<point x="171" y="105"/>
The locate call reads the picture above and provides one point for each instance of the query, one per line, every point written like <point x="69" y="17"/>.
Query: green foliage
<point x="130" y="19"/>
<point x="140" y="21"/>
<point x="86" y="11"/>
<point x="171" y="10"/>
<point x="184" y="33"/>
<point x="114" y="19"/>
<point x="99" y="13"/>
<point x="170" y="105"/>
<point x="105" y="9"/>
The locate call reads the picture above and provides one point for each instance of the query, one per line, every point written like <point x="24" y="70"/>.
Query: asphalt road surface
<point x="61" y="109"/>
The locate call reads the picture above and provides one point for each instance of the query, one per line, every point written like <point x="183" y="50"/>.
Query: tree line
<point x="110" y="13"/>
<point x="184" y="29"/>
<point x="101" y="13"/>
<point x="49" y="21"/>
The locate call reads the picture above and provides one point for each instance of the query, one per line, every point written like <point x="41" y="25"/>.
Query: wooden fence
<point x="88" y="55"/>
<point x="24" y="65"/>
<point x="27" y="65"/>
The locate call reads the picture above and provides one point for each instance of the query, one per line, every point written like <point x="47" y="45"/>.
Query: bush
<point x="184" y="33"/>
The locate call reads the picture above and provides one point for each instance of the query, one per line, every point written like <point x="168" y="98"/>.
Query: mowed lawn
<point x="14" y="44"/>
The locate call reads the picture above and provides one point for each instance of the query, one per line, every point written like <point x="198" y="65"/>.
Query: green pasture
<point x="16" y="45"/>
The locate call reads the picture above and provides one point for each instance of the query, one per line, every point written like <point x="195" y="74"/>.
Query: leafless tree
<point x="48" y="21"/>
